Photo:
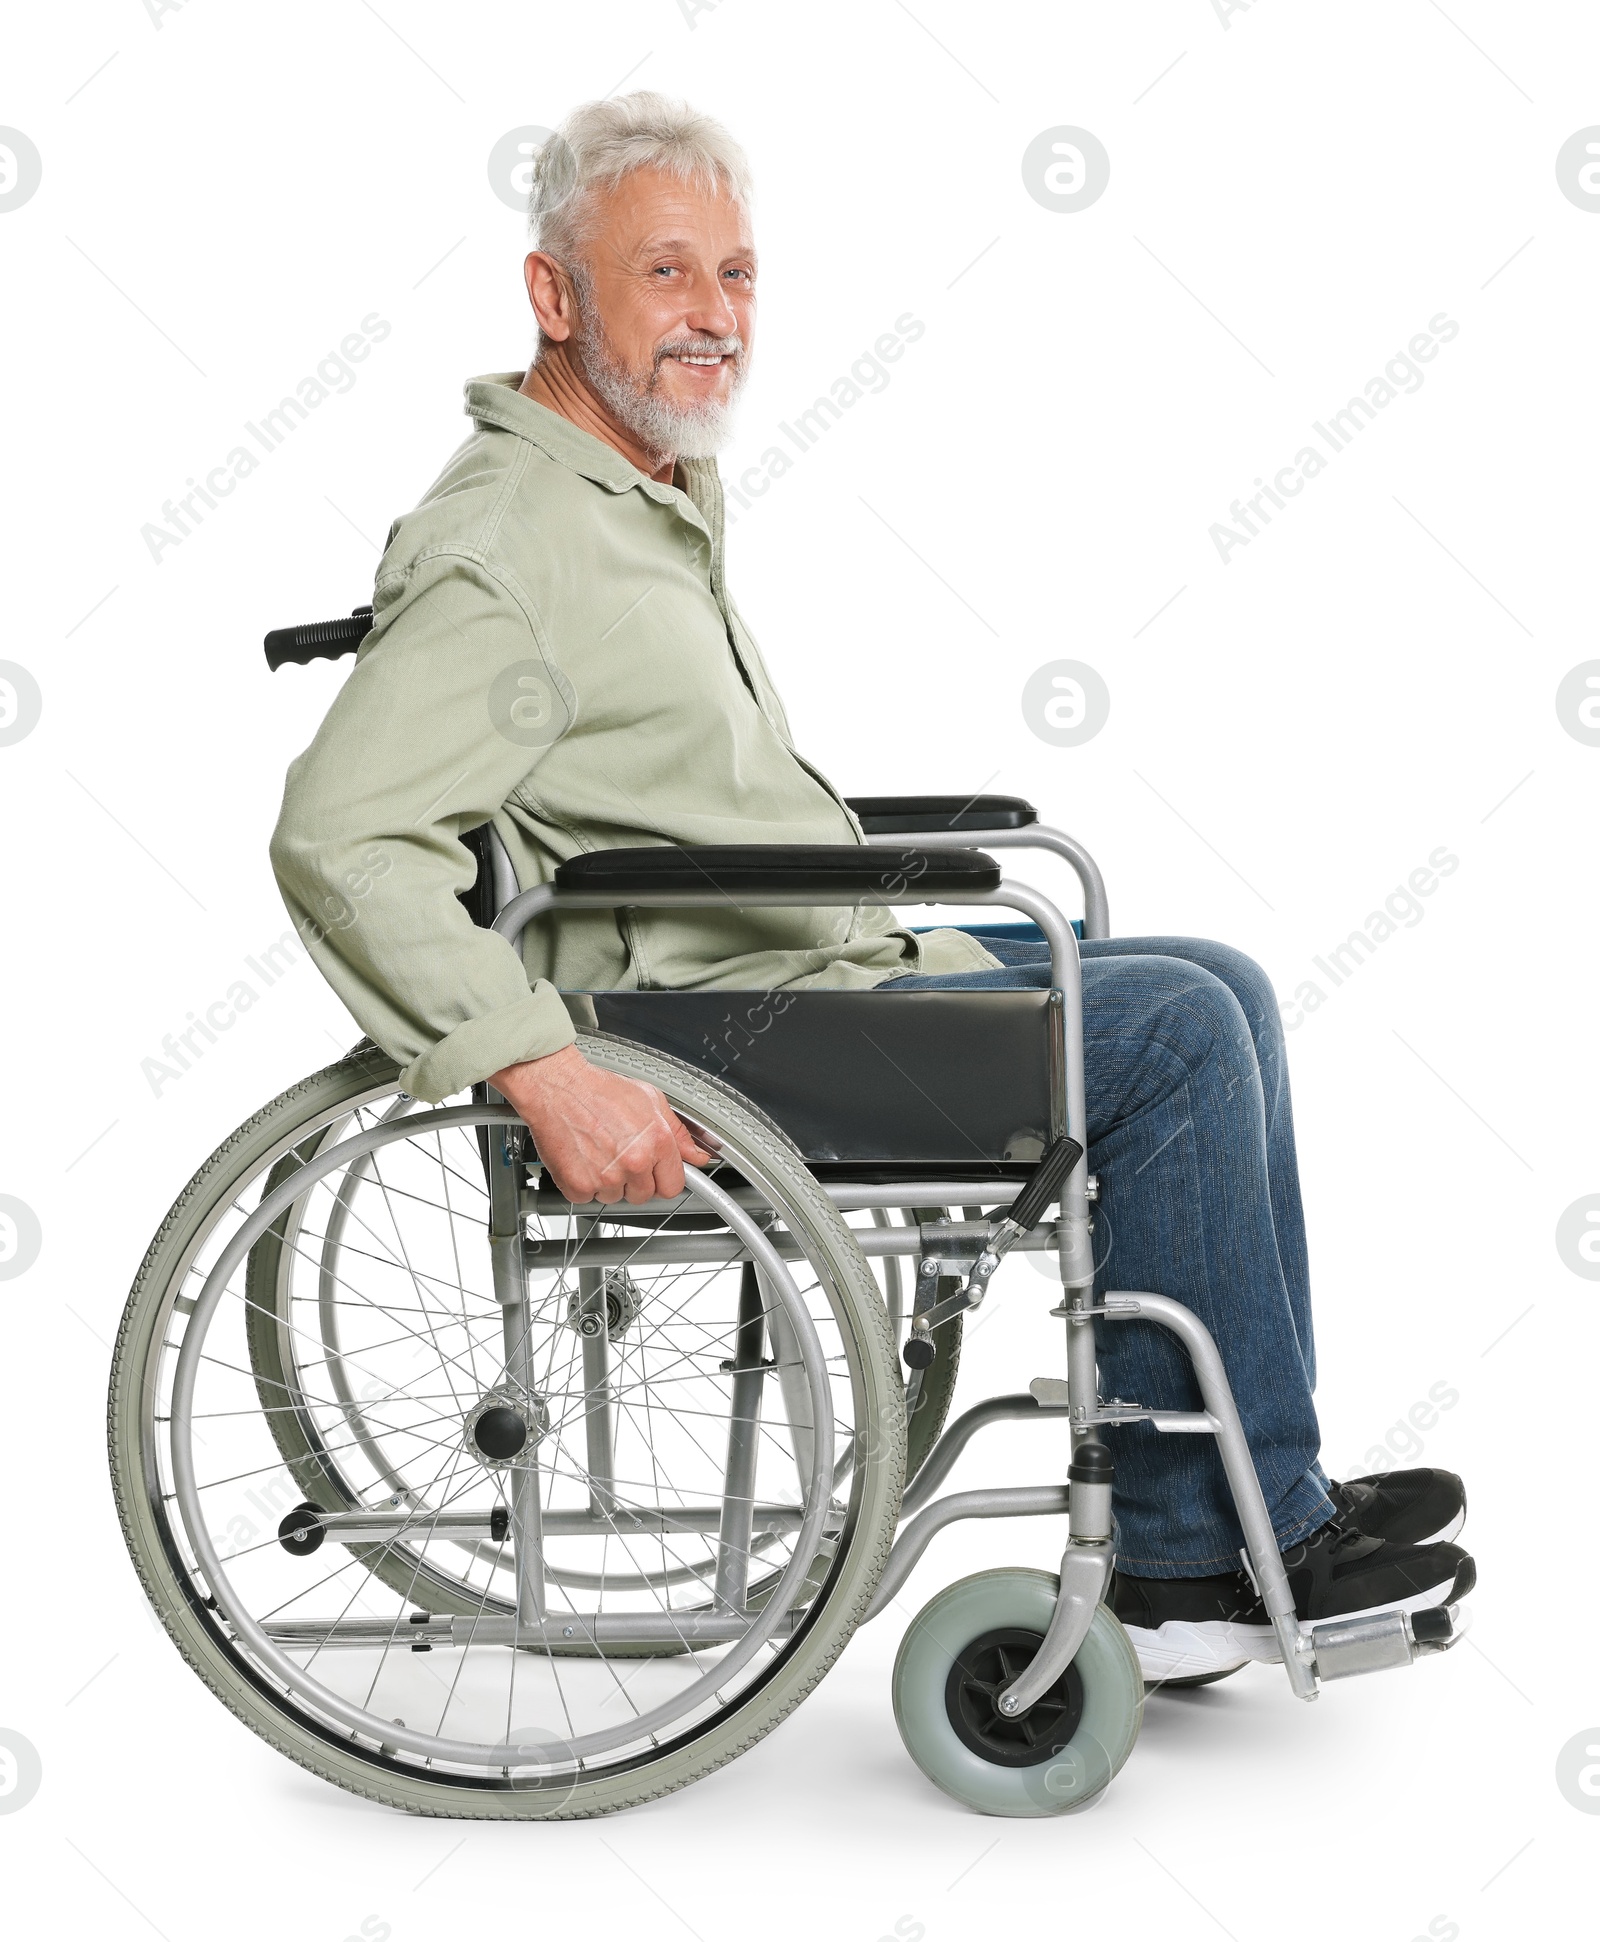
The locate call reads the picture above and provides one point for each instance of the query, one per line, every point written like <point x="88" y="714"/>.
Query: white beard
<point x="667" y="429"/>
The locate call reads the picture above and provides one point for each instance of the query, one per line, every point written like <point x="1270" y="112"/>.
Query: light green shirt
<point x="554" y="650"/>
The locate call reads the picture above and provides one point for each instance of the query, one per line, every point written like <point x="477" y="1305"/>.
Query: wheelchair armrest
<point x="897" y="815"/>
<point x="834" y="872"/>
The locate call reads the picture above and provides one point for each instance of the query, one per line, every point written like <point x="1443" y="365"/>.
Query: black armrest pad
<point x="897" y="815"/>
<point x="829" y="871"/>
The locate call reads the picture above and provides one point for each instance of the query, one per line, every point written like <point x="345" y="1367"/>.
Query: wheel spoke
<point x="349" y="1357"/>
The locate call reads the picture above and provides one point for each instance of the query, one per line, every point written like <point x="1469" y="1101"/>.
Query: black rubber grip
<point x="1433" y="1626"/>
<point x="1027" y="1210"/>
<point x="905" y="815"/>
<point x="318" y="640"/>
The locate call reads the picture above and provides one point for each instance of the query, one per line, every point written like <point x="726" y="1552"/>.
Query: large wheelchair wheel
<point x="522" y="1542"/>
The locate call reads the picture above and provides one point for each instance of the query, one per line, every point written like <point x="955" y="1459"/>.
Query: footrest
<point x="1344" y="1647"/>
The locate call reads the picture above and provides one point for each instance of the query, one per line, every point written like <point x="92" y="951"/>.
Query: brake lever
<point x="1020" y="1218"/>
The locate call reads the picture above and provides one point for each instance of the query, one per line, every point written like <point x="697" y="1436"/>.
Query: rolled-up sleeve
<point x="446" y="712"/>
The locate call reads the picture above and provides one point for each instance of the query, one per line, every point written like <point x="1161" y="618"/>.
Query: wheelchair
<point x="483" y="1504"/>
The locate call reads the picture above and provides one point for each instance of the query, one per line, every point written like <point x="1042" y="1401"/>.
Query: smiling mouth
<point x="683" y="357"/>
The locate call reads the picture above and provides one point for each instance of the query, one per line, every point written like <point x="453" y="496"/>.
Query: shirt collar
<point x="495" y="399"/>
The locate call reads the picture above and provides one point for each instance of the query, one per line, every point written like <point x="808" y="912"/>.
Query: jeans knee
<point x="1206" y="1021"/>
<point x="1155" y="1025"/>
<point x="1248" y="983"/>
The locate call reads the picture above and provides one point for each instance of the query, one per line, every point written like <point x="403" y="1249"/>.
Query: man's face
<point x="666" y="297"/>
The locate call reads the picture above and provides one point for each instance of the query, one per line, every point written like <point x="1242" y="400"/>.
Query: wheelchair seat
<point x="934" y="1080"/>
<point x="919" y="1079"/>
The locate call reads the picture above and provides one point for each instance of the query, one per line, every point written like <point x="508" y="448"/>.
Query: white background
<point x="1294" y="193"/>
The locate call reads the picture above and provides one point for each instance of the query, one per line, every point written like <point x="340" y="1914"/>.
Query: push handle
<point x="1027" y="1210"/>
<point x="318" y="640"/>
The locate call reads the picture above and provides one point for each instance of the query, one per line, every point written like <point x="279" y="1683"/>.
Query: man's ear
<point x="551" y="294"/>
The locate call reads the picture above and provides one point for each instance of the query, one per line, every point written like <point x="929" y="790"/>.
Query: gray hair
<point x="603" y="141"/>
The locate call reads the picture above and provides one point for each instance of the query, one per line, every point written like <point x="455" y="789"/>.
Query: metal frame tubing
<point x="849" y="1196"/>
<point x="744" y="1436"/>
<point x="1261" y="1547"/>
<point x="941" y="1459"/>
<point x="960" y="1240"/>
<point x="1025" y="1500"/>
<point x="692" y="1629"/>
<point x="516" y="1315"/>
<point x="1032" y="836"/>
<point x="543" y="897"/>
<point x="389" y="1526"/>
<point x="599" y="1426"/>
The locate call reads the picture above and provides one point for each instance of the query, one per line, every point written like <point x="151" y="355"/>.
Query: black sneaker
<point x="1404" y="1506"/>
<point x="1188" y="1630"/>
<point x="1342" y="1572"/>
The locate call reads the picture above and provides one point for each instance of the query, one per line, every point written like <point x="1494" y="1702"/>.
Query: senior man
<point x="555" y="650"/>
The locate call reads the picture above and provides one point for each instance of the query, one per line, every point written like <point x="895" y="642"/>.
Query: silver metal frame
<point x="1032" y="836"/>
<point x="1087" y="1559"/>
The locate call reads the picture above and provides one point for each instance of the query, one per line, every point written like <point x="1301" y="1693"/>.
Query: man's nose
<point x="711" y="312"/>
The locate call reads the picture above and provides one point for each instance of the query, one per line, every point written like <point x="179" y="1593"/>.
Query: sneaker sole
<point x="1191" y="1649"/>
<point x="1184" y="1649"/>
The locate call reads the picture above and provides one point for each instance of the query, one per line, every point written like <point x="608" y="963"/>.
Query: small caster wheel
<point x="963" y="1648"/>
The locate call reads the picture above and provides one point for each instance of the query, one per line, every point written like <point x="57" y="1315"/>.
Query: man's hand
<point x="600" y="1137"/>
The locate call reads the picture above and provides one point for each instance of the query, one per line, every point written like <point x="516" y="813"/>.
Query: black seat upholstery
<point x="929" y="1080"/>
<point x="846" y="870"/>
<point x="905" y="815"/>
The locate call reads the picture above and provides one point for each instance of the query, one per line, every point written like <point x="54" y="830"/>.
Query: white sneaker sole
<point x="1185" y="1649"/>
<point x="1189" y="1649"/>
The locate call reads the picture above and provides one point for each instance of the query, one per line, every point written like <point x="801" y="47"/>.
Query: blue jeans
<point x="1192" y="1139"/>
